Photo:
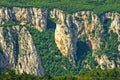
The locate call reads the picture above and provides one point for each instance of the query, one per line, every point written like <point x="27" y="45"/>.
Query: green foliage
<point x="53" y="61"/>
<point x="91" y="60"/>
<point x="106" y="25"/>
<point x="69" y="6"/>
<point x="84" y="54"/>
<point x="8" y="24"/>
<point x="89" y="20"/>
<point x="111" y="74"/>
<point x="10" y="75"/>
<point x="110" y="45"/>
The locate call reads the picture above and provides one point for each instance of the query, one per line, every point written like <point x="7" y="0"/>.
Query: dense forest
<point x="112" y="74"/>
<point x="55" y="64"/>
<point x="60" y="68"/>
<point x="45" y="44"/>
<point x="69" y="6"/>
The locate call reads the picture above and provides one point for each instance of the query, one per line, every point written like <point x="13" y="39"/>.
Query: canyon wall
<point x="18" y="51"/>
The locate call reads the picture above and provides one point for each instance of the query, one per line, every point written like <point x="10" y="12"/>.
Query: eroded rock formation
<point x="69" y="29"/>
<point x="65" y="34"/>
<point x="34" y="17"/>
<point x="18" y="51"/>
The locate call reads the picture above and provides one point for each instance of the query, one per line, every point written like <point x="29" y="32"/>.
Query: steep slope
<point x="87" y="40"/>
<point x="53" y="61"/>
<point x="35" y="17"/>
<point x="18" y="51"/>
<point x="65" y="34"/>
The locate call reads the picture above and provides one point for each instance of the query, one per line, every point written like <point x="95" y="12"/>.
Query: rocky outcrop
<point x="105" y="63"/>
<point x="34" y="17"/>
<point x="114" y="26"/>
<point x="69" y="29"/>
<point x="89" y="25"/>
<point x="7" y="54"/>
<point x="18" y="52"/>
<point x="65" y="34"/>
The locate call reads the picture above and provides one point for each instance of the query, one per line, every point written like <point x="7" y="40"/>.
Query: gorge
<point x="82" y="37"/>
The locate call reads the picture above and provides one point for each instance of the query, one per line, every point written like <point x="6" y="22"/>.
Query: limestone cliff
<point x="88" y="24"/>
<point x="18" y="51"/>
<point x="72" y="27"/>
<point x="65" y="34"/>
<point x="34" y="17"/>
<point x="96" y="32"/>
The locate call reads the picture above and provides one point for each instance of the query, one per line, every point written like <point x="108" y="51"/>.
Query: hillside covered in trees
<point x="57" y="66"/>
<point x="69" y="6"/>
<point x="113" y="74"/>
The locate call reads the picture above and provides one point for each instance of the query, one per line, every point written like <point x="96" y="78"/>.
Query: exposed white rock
<point x="7" y="49"/>
<point x="65" y="34"/>
<point x="89" y="24"/>
<point x="35" y="17"/>
<point x="115" y="27"/>
<point x="28" y="60"/>
<point x="18" y="52"/>
<point x="69" y="28"/>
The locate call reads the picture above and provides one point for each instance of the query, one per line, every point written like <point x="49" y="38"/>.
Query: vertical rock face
<point x="115" y="28"/>
<point x="88" y="24"/>
<point x="7" y="49"/>
<point x="70" y="27"/>
<point x="28" y="60"/>
<point x="18" y="52"/>
<point x="65" y="34"/>
<point x="34" y="17"/>
<point x="105" y="63"/>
